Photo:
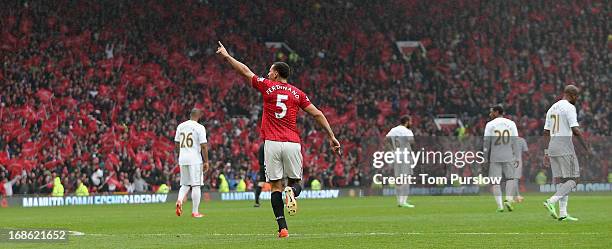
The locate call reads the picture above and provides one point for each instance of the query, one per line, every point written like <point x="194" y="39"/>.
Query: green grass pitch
<point x="368" y="222"/>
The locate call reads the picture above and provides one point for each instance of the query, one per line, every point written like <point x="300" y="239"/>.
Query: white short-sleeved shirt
<point x="522" y="145"/>
<point x="500" y="137"/>
<point x="400" y="131"/>
<point x="190" y="134"/>
<point x="403" y="134"/>
<point x="560" y="119"/>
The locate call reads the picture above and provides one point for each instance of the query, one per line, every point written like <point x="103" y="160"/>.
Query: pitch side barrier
<point x="94" y="200"/>
<point x="139" y="199"/>
<point x="134" y="199"/>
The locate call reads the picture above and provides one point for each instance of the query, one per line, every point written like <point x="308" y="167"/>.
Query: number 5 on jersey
<point x="279" y="102"/>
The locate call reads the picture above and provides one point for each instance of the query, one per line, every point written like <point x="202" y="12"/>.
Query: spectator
<point x="8" y="185"/>
<point x="58" y="188"/>
<point x="140" y="185"/>
<point x="24" y="186"/>
<point x="81" y="189"/>
<point x="96" y="177"/>
<point x="223" y="185"/>
<point x="129" y="187"/>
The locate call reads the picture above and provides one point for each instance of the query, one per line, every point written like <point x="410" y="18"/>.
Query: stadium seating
<point x="94" y="90"/>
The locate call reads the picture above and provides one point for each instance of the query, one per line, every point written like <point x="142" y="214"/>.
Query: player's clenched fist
<point x="335" y="145"/>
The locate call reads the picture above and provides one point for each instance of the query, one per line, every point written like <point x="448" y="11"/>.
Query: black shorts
<point x="261" y="175"/>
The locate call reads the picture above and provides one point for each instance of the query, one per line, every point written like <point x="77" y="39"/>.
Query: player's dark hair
<point x="404" y="119"/>
<point x="498" y="108"/>
<point x="283" y="69"/>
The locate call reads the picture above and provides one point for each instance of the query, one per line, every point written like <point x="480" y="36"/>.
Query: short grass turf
<point x="366" y="222"/>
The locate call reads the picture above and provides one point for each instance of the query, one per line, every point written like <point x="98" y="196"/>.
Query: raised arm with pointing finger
<point x="237" y="65"/>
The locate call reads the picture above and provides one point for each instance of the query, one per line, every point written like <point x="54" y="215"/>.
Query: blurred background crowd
<point x="92" y="91"/>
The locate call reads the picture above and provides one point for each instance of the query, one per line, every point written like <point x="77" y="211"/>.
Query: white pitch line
<point x="139" y="234"/>
<point x="76" y="233"/>
<point x="348" y="234"/>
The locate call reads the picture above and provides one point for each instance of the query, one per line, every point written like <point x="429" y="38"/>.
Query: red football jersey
<point x="281" y="103"/>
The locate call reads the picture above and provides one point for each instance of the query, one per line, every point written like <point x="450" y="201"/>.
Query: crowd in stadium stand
<point x="93" y="91"/>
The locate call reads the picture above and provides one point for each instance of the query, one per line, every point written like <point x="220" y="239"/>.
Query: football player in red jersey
<point x="282" y="148"/>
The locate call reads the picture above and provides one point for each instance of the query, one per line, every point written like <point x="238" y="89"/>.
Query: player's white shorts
<point x="507" y="168"/>
<point x="565" y="166"/>
<point x="192" y="175"/>
<point x="518" y="172"/>
<point x="400" y="169"/>
<point x="282" y="159"/>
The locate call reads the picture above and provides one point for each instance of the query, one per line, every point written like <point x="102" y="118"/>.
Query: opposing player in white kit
<point x="400" y="137"/>
<point x="501" y="149"/>
<point x="190" y="139"/>
<point x="561" y="124"/>
<point x="522" y="145"/>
